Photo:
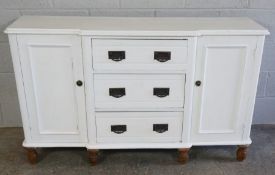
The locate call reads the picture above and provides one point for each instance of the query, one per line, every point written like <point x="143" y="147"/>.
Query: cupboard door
<point x="221" y="106"/>
<point x="51" y="66"/>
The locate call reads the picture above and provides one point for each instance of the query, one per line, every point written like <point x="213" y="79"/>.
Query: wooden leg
<point x="241" y="152"/>
<point x="32" y="155"/>
<point x="92" y="153"/>
<point x="183" y="155"/>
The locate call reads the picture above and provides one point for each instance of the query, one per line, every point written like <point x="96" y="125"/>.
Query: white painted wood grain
<point x="220" y="104"/>
<point x="139" y="90"/>
<point x="50" y="67"/>
<point x="57" y="113"/>
<point x="146" y="26"/>
<point x="139" y="127"/>
<point x="139" y="54"/>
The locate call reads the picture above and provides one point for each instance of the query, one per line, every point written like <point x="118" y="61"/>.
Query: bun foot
<point x="32" y="155"/>
<point x="93" y="156"/>
<point x="241" y="152"/>
<point x="183" y="155"/>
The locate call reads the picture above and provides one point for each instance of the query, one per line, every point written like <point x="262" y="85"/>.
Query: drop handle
<point x="118" y="129"/>
<point x="116" y="55"/>
<point x="162" y="56"/>
<point x="161" y="92"/>
<point x="117" y="92"/>
<point x="79" y="83"/>
<point x="198" y="83"/>
<point x="160" y="128"/>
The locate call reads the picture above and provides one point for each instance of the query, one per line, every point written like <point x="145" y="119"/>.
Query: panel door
<point x="51" y="65"/>
<point x="220" y="108"/>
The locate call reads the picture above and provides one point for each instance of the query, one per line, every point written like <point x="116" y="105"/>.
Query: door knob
<point x="198" y="83"/>
<point x="79" y="83"/>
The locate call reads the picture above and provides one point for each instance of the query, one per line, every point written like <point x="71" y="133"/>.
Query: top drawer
<point x="126" y="54"/>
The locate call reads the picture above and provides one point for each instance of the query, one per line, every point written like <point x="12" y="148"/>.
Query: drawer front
<point x="139" y="54"/>
<point x="125" y="127"/>
<point x="139" y="91"/>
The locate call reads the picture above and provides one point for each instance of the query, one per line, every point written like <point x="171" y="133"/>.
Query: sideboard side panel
<point x="20" y="85"/>
<point x="253" y="84"/>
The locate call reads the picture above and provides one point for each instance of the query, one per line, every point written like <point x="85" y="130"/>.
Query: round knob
<point x="79" y="83"/>
<point x="198" y="83"/>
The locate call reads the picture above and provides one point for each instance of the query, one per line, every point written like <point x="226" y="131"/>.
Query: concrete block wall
<point x="263" y="11"/>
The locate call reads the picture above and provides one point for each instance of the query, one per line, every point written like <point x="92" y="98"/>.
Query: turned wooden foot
<point x="241" y="152"/>
<point x="32" y="155"/>
<point x="183" y="155"/>
<point x="92" y="154"/>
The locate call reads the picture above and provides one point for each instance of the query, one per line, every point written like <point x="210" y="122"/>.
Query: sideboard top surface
<point x="162" y="26"/>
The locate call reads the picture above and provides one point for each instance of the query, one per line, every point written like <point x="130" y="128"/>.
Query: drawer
<point x="139" y="54"/>
<point x="139" y="91"/>
<point x="125" y="127"/>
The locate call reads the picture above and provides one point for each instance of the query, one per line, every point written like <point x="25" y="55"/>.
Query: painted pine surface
<point x="261" y="11"/>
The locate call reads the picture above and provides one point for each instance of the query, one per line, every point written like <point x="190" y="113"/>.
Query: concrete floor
<point x="218" y="160"/>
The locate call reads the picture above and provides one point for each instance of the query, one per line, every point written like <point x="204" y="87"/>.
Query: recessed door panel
<point x="50" y="67"/>
<point x="221" y="91"/>
<point x="223" y="65"/>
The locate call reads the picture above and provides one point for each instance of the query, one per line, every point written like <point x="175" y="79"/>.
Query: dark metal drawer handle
<point x="118" y="129"/>
<point x="116" y="55"/>
<point x="117" y="92"/>
<point x="161" y="92"/>
<point x="162" y="56"/>
<point x="160" y="128"/>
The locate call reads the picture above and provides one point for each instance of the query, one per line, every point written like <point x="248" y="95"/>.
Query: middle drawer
<point x="139" y="91"/>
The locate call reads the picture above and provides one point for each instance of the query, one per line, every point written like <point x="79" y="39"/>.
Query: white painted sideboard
<point x="121" y="83"/>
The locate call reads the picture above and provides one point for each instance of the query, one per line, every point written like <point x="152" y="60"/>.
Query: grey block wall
<point x="263" y="11"/>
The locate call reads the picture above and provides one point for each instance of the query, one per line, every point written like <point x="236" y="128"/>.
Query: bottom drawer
<point x="126" y="127"/>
